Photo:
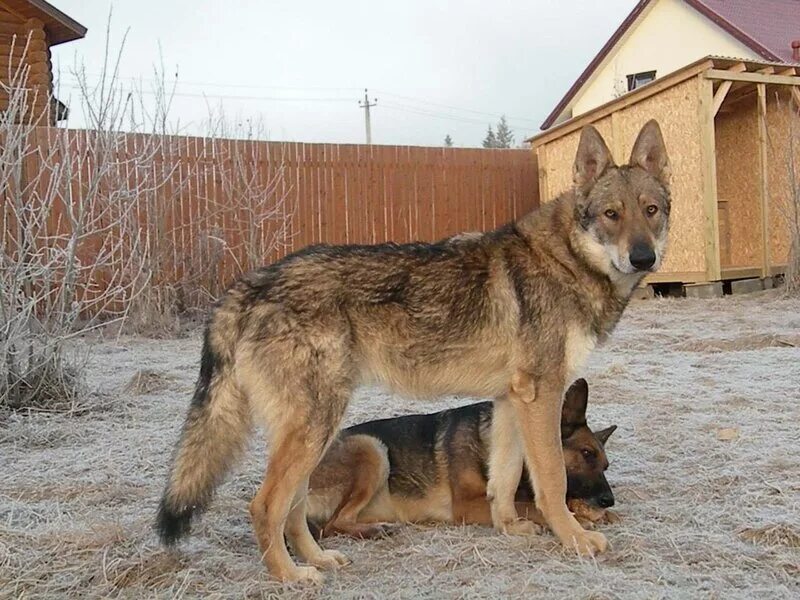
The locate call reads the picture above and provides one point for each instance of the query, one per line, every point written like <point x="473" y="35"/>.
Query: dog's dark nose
<point x="642" y="256"/>
<point x="606" y="500"/>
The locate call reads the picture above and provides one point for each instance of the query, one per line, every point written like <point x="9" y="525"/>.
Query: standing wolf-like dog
<point x="433" y="468"/>
<point x="510" y="314"/>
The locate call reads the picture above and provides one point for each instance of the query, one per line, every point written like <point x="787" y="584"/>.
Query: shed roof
<point x="699" y="66"/>
<point x="767" y="27"/>
<point x="59" y="26"/>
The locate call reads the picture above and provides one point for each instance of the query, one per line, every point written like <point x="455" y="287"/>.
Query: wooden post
<point x="541" y="156"/>
<point x="708" y="167"/>
<point x="766" y="265"/>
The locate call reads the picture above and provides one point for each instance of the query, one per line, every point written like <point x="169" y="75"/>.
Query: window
<point x="637" y="80"/>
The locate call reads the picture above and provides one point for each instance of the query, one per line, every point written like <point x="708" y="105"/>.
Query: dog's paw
<point x="302" y="575"/>
<point x="586" y="543"/>
<point x="611" y="517"/>
<point x="329" y="560"/>
<point x="521" y="527"/>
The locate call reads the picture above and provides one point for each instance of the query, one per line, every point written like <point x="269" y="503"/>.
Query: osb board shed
<point x="740" y="235"/>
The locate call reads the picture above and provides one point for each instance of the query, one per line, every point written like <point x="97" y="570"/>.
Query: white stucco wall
<point x="668" y="36"/>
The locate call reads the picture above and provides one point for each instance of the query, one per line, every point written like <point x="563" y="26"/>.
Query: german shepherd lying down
<point x="433" y="468"/>
<point x="511" y="314"/>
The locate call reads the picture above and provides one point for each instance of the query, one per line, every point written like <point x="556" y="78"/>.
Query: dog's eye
<point x="652" y="209"/>
<point x="612" y="214"/>
<point x="587" y="453"/>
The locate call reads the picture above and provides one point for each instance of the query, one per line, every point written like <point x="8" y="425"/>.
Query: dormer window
<point x="637" y="80"/>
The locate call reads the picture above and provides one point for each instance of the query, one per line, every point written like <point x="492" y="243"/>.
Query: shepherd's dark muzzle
<point x="642" y="256"/>
<point x="605" y="500"/>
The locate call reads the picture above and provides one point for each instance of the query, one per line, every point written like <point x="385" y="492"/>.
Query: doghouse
<point x="728" y="127"/>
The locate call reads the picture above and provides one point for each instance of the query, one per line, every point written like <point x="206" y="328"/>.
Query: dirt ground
<point x="705" y="467"/>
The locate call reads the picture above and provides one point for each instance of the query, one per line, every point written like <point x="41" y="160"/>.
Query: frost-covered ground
<point x="704" y="515"/>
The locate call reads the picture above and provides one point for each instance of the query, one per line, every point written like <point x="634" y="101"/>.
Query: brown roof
<point x="765" y="26"/>
<point x="60" y="27"/>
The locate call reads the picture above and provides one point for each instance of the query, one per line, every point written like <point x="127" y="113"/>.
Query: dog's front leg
<point x="538" y="408"/>
<point x="505" y="471"/>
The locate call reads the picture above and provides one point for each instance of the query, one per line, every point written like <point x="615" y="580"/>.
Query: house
<point x="661" y="36"/>
<point x="28" y="29"/>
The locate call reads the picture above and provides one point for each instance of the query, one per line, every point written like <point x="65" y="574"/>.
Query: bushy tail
<point x="212" y="438"/>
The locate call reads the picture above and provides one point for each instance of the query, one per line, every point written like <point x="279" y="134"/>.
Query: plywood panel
<point x="676" y="109"/>
<point x="783" y="143"/>
<point x="560" y="155"/>
<point x="737" y="181"/>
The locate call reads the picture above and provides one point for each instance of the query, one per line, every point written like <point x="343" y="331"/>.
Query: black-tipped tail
<point x="171" y="525"/>
<point x="213" y="436"/>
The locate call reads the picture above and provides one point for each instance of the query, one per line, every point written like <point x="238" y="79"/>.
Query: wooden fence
<point x="207" y="209"/>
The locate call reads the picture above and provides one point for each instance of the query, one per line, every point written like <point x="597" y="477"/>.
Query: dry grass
<point x="773" y="535"/>
<point x="702" y="517"/>
<point x="148" y="381"/>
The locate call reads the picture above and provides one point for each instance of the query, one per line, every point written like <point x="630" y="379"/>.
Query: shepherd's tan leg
<point x="538" y="408"/>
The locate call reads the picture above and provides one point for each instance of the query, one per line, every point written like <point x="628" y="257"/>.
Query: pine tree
<point x="504" y="136"/>
<point x="490" y="141"/>
<point x="448" y="141"/>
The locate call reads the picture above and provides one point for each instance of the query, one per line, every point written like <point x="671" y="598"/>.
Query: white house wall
<point x="668" y="36"/>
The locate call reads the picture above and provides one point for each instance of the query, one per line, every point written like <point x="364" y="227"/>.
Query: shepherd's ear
<point x="592" y="159"/>
<point x="573" y="412"/>
<point x="604" y="434"/>
<point x="650" y="153"/>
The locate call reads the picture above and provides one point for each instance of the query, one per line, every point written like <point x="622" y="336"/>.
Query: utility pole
<point x="366" y="105"/>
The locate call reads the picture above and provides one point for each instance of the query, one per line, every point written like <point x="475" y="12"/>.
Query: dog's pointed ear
<point x="592" y="159"/>
<point x="650" y="153"/>
<point x="573" y="411"/>
<point x="604" y="434"/>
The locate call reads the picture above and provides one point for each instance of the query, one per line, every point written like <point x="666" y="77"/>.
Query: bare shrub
<point x="93" y="231"/>
<point x="71" y="248"/>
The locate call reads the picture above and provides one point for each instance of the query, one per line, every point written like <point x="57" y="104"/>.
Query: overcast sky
<point x="300" y="67"/>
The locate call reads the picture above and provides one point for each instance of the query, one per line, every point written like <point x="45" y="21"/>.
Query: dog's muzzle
<point x="605" y="500"/>
<point x="642" y="256"/>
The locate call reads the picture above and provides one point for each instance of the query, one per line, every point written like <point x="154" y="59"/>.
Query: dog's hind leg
<point x="302" y="422"/>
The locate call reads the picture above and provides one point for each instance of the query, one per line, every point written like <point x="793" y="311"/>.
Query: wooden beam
<point x="725" y="87"/>
<point x="719" y="97"/>
<point x="796" y="96"/>
<point x="708" y="171"/>
<point x="752" y="77"/>
<point x="766" y="70"/>
<point x="676" y="277"/>
<point x="8" y="9"/>
<point x="788" y="72"/>
<point x="762" y="178"/>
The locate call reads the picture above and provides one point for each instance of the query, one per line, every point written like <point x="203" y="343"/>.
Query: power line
<point x="415" y="110"/>
<point x="338" y="89"/>
<point x="469" y="110"/>
<point x="229" y="96"/>
<point x="175" y="81"/>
